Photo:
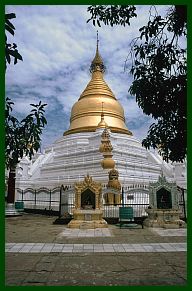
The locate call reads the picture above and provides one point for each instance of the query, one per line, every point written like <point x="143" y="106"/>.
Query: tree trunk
<point x="11" y="185"/>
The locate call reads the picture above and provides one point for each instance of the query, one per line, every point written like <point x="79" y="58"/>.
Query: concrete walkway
<point x="39" y="253"/>
<point x="84" y="248"/>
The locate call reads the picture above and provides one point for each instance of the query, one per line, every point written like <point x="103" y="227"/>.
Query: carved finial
<point x="97" y="63"/>
<point x="102" y="123"/>
<point x="97" y="40"/>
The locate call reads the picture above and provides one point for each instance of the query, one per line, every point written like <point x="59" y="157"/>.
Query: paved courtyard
<point x="40" y="253"/>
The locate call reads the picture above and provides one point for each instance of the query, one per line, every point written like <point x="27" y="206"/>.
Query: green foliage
<point x="159" y="69"/>
<point x="114" y="14"/>
<point x="10" y="49"/>
<point x="24" y="137"/>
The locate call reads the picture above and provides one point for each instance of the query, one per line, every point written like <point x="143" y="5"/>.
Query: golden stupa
<point x="86" y="112"/>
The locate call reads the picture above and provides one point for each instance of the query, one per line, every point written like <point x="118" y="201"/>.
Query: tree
<point x="21" y="137"/>
<point x="10" y="49"/>
<point x="159" y="69"/>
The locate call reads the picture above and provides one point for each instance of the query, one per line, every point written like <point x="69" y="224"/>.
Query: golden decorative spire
<point x="86" y="113"/>
<point x="102" y="123"/>
<point x="106" y="145"/>
<point x="106" y="149"/>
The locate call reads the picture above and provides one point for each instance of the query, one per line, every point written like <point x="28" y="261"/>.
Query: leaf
<point x="15" y="61"/>
<point x="98" y="23"/>
<point x="142" y="54"/>
<point x="9" y="29"/>
<point x="7" y="57"/>
<point x="44" y="120"/>
<point x="35" y="105"/>
<point x="15" y="54"/>
<point x="10" y="24"/>
<point x="137" y="63"/>
<point x="18" y="56"/>
<point x="10" y="16"/>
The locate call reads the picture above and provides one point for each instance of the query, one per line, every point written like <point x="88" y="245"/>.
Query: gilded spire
<point x="106" y="149"/>
<point x="97" y="63"/>
<point x="102" y="123"/>
<point x="106" y="145"/>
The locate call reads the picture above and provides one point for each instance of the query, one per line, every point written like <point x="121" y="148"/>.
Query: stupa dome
<point x="86" y="112"/>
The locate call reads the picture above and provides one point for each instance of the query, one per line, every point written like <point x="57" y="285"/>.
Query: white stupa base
<point x="70" y="158"/>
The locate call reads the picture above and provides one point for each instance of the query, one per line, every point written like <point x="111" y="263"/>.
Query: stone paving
<point x="71" y="248"/>
<point x="170" y="232"/>
<point x="39" y="253"/>
<point x="97" y="232"/>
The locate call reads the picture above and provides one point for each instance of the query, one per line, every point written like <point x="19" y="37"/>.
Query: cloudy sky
<point x="57" y="46"/>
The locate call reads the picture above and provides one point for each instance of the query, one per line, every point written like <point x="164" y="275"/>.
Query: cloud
<point x="58" y="46"/>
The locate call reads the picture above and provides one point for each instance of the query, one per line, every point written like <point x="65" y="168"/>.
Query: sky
<point x="57" y="45"/>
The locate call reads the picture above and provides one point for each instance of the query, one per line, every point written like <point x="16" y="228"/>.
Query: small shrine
<point x="88" y="211"/>
<point x="163" y="210"/>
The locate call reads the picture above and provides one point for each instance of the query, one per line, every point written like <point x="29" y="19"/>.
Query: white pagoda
<point x="74" y="155"/>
